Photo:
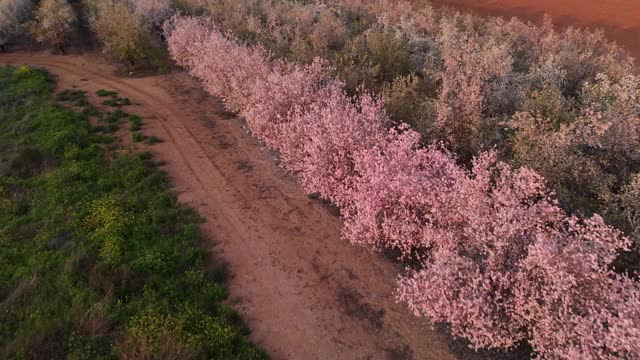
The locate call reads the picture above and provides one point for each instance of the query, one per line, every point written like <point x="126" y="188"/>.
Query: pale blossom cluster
<point x="154" y="12"/>
<point x="53" y="23"/>
<point x="122" y="34"/>
<point x="475" y="84"/>
<point x="501" y="262"/>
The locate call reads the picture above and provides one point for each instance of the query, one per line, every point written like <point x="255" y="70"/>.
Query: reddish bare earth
<point x="620" y="19"/>
<point x="305" y="293"/>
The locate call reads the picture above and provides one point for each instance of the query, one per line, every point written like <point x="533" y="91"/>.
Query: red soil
<point x="620" y="19"/>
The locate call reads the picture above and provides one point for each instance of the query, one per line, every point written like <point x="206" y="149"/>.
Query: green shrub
<point x="137" y="136"/>
<point x="136" y="122"/>
<point x="105" y="93"/>
<point x="151" y="140"/>
<point x="117" y="101"/>
<point x="71" y="95"/>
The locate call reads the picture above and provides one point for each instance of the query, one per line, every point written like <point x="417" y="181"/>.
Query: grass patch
<point x="106" y="93"/>
<point x="72" y="96"/>
<point x="136" y="136"/>
<point x="111" y="128"/>
<point x="117" y="102"/>
<point x="136" y="122"/>
<point x="98" y="260"/>
<point x="115" y="116"/>
<point x="152" y="140"/>
<point x="90" y="111"/>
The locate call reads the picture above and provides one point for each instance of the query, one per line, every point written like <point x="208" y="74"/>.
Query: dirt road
<point x="619" y="18"/>
<point x="305" y="293"/>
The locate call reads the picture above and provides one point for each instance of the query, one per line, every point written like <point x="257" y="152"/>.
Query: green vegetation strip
<point x="97" y="258"/>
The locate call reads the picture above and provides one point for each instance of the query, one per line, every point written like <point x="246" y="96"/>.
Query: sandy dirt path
<point x="305" y="293"/>
<point x="620" y="19"/>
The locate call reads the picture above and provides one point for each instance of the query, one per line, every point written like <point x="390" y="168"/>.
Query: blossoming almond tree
<point x="501" y="262"/>
<point x="572" y="303"/>
<point x="154" y="12"/>
<point x="53" y="23"/>
<point x="123" y="35"/>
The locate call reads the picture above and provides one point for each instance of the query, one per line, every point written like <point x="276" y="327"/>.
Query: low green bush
<point x="137" y="136"/>
<point x="106" y="93"/>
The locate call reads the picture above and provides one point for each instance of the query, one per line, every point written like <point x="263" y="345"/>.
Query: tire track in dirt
<point x="305" y="293"/>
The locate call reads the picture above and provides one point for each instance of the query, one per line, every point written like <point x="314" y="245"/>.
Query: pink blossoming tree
<point x="501" y="262"/>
